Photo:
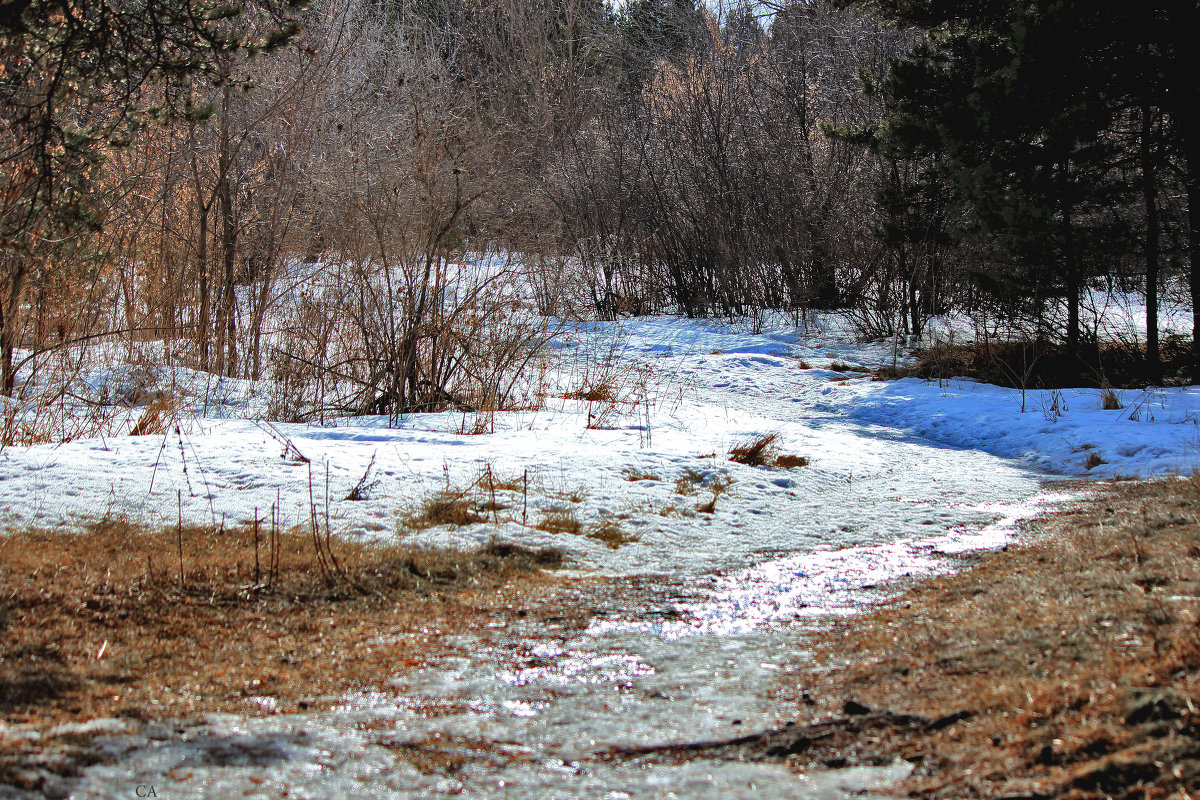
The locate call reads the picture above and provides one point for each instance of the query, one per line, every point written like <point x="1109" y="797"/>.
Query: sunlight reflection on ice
<point x="578" y="667"/>
<point x="826" y="582"/>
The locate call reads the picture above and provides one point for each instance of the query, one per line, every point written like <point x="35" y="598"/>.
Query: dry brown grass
<point x="600" y="392"/>
<point x="763" y="451"/>
<point x="719" y="485"/>
<point x="691" y="482"/>
<point x="756" y="452"/>
<point x="488" y="494"/>
<point x="446" y="507"/>
<point x="576" y="495"/>
<point x="560" y="521"/>
<point x="687" y="484"/>
<point x="611" y="534"/>
<point x="1068" y="667"/>
<point x="157" y="417"/>
<point x="98" y="623"/>
<point x="500" y="482"/>
<point x="787" y="461"/>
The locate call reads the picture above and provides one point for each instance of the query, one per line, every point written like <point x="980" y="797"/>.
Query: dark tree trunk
<point x="226" y="339"/>
<point x="1149" y="195"/>
<point x="1073" y="280"/>
<point x="9" y="322"/>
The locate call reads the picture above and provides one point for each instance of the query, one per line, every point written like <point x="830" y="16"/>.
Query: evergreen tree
<point x="1056" y="120"/>
<point x="1007" y="96"/>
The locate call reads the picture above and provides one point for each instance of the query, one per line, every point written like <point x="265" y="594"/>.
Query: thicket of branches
<point x="361" y="199"/>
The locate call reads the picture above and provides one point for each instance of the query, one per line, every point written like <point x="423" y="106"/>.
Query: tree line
<point x="170" y="166"/>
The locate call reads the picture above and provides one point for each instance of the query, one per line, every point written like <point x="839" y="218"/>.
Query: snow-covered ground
<point x="900" y="473"/>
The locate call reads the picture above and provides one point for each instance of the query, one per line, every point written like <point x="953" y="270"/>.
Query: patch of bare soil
<point x="119" y="621"/>
<point x="1067" y="667"/>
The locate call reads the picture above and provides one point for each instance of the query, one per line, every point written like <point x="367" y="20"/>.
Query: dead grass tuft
<point x="719" y="485"/>
<point x="488" y="494"/>
<point x="157" y="417"/>
<point x="599" y="392"/>
<point x="791" y="462"/>
<point x="500" y="482"/>
<point x="633" y="475"/>
<point x="560" y="521"/>
<point x="1110" y="400"/>
<point x="447" y="507"/>
<point x="764" y="452"/>
<point x="686" y="485"/>
<point x="576" y="495"/>
<point x="759" y="452"/>
<point x="691" y="482"/>
<point x="611" y="534"/>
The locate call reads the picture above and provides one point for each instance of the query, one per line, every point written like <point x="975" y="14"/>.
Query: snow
<point x="1154" y="433"/>
<point x="902" y="474"/>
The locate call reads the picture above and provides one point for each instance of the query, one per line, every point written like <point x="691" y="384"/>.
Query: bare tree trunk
<point x="226" y="340"/>
<point x="203" y="325"/>
<point x="1149" y="195"/>
<point x="1074" y="283"/>
<point x="10" y="322"/>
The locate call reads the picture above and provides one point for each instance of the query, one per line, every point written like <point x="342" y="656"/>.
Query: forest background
<point x="382" y="206"/>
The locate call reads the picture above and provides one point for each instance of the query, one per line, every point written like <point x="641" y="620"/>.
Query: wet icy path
<point x="682" y="654"/>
